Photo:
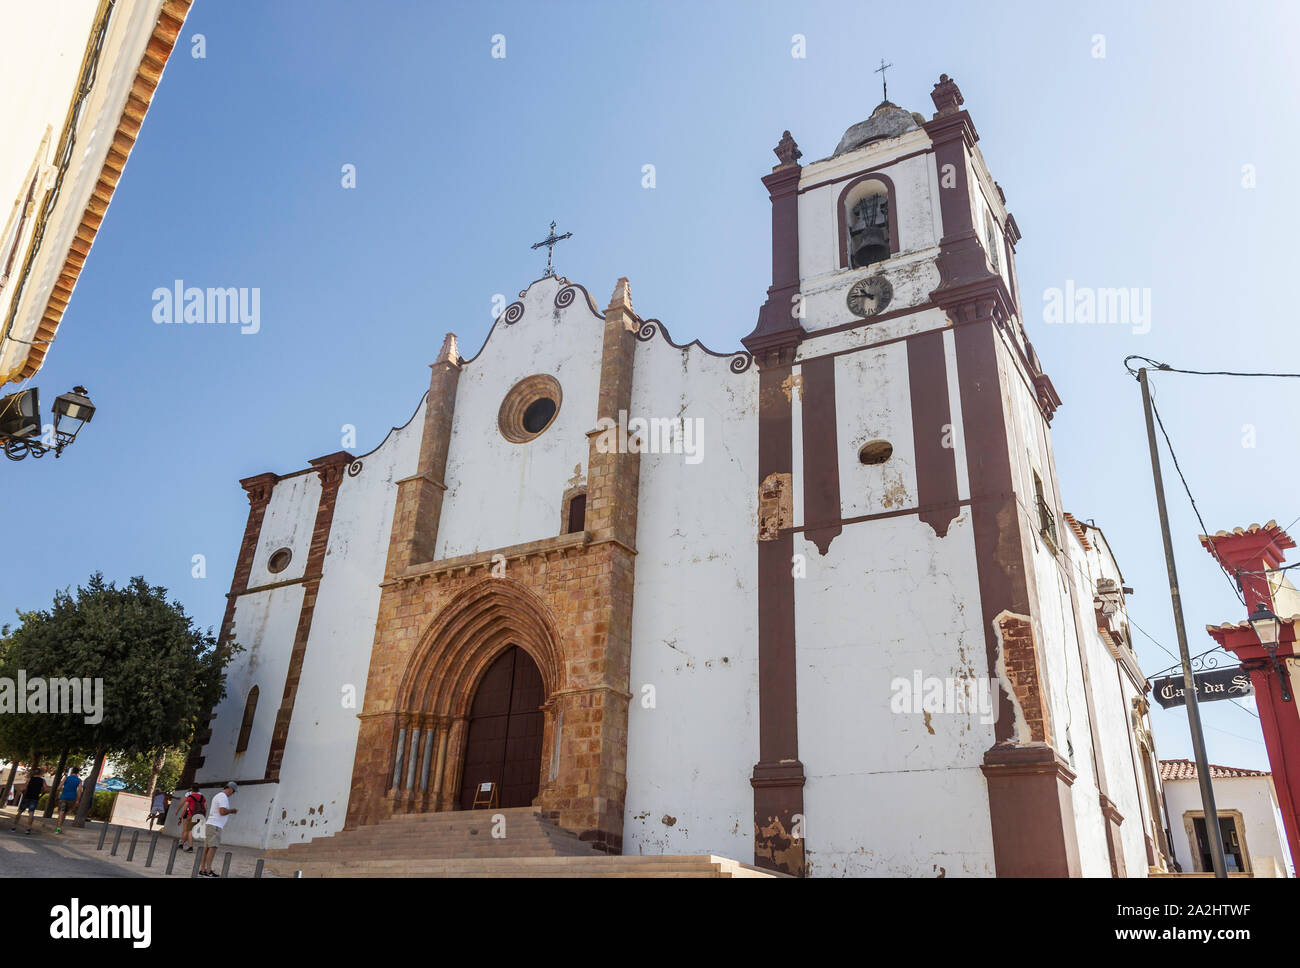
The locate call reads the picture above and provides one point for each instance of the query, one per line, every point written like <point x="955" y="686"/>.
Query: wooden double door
<point x="504" y="741"/>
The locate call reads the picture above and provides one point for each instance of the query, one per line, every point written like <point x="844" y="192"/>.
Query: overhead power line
<point x="1166" y="368"/>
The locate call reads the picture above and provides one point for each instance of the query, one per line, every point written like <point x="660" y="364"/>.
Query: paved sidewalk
<point x="82" y="843"/>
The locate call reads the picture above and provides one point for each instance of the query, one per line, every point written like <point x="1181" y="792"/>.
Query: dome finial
<point x="884" y="85"/>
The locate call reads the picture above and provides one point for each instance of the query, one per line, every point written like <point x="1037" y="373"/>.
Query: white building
<point x="812" y="602"/>
<point x="1254" y="841"/>
<point x="79" y="76"/>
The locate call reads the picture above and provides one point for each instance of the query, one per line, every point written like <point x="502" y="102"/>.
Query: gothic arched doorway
<point x="503" y="743"/>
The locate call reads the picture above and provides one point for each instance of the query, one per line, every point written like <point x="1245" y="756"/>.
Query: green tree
<point x="146" y="772"/>
<point x="159" y="674"/>
<point x="23" y="738"/>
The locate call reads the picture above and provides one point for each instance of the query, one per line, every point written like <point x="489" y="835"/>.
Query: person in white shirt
<point x="212" y="831"/>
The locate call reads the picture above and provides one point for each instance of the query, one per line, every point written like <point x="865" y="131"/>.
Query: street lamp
<point x="1268" y="627"/>
<point x="76" y="409"/>
<point x="20" y="422"/>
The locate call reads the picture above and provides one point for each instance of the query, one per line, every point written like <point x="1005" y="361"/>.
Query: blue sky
<point x="1124" y="170"/>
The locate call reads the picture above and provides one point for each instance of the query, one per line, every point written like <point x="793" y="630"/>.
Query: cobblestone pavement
<point x="73" y="853"/>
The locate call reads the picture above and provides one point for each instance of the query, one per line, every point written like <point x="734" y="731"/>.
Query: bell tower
<point x="903" y="424"/>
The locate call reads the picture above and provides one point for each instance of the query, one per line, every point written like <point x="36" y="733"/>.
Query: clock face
<point x="869" y="296"/>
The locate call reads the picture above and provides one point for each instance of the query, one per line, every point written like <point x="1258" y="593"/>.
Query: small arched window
<point x="575" y="517"/>
<point x="246" y="728"/>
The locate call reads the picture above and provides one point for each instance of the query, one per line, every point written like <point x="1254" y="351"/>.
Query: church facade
<point x="814" y="602"/>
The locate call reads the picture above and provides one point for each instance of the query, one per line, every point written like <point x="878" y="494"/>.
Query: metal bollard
<point x="297" y="873"/>
<point x="198" y="857"/>
<point x="171" y="858"/>
<point x="225" y="865"/>
<point x="135" y="837"/>
<point x="117" y="839"/>
<point x="261" y="862"/>
<point x="103" y="832"/>
<point x="153" y="845"/>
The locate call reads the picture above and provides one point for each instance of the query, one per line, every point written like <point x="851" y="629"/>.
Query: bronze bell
<point x="870" y="235"/>
<point x="869" y="230"/>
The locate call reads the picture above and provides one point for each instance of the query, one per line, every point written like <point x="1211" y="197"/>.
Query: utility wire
<point x="1272" y="571"/>
<point x="1166" y="368"/>
<point x="1162" y="648"/>
<point x="1153" y="639"/>
<point x="1204" y="530"/>
<point x="1247" y="739"/>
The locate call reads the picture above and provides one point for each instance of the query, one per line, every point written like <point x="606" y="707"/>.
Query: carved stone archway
<point x="438" y="686"/>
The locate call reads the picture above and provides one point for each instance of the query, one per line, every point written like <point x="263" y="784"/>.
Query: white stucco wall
<point x="288" y="523"/>
<point x="501" y="493"/>
<point x="891" y="793"/>
<point x="315" y="773"/>
<point x="265" y="623"/>
<point x="694" y="634"/>
<point x="1114" y="691"/>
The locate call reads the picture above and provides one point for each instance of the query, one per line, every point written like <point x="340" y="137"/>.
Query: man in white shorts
<point x="213" y="829"/>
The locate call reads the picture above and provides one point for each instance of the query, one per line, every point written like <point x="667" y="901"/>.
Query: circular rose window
<point x="529" y="408"/>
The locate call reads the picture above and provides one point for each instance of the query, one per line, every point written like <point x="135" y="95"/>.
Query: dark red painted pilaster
<point x="778" y="326"/>
<point x="259" y="496"/>
<point x="1028" y="782"/>
<point x="331" y="470"/>
<point x="936" y="460"/>
<point x="778" y="777"/>
<point x="822" y="512"/>
<point x="961" y="257"/>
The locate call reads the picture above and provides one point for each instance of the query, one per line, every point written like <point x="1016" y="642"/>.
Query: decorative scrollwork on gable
<point x="740" y="361"/>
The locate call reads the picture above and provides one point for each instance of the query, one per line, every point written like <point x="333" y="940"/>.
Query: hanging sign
<point x="1230" y="683"/>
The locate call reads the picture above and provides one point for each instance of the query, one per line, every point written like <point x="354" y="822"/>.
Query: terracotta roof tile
<point x="1186" y="770"/>
<point x="1251" y="530"/>
<point x="164" y="35"/>
<point x="1077" y="528"/>
<point x="1244" y="626"/>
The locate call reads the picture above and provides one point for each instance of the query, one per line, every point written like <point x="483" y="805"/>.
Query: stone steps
<point x="601" y="865"/>
<point x="460" y="844"/>
<point x="440" y="836"/>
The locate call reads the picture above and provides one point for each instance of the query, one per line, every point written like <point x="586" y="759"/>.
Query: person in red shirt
<point x="194" y="807"/>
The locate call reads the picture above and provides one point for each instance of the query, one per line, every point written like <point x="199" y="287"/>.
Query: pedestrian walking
<point x="68" y="796"/>
<point x="215" y="827"/>
<point x="158" y="812"/>
<point x="195" y="807"/>
<point x="31" y="796"/>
